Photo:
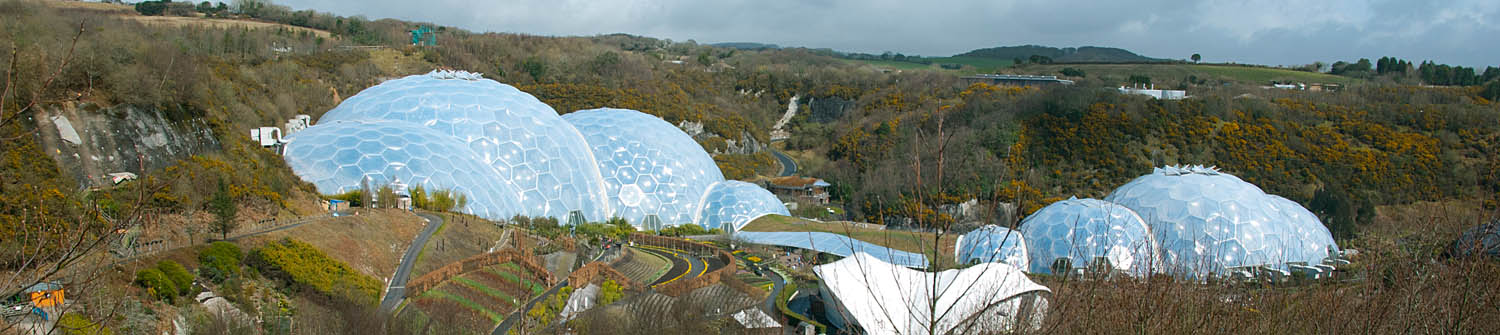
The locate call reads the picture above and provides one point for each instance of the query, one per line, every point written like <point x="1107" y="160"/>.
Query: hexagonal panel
<point x="502" y="125"/>
<point x="451" y="166"/>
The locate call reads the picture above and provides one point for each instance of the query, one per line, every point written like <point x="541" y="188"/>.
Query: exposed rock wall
<point x="828" y="109"/>
<point x="89" y="142"/>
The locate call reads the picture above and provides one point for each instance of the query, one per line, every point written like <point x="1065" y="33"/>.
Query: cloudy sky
<point x="1284" y="32"/>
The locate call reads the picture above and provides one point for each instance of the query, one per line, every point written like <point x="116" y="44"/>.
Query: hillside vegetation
<point x="901" y="148"/>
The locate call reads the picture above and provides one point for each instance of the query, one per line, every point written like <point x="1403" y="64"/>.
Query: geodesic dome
<point x="523" y="139"/>
<point x="337" y="156"/>
<point x="732" y="204"/>
<point x="512" y="154"/>
<point x="1085" y="230"/>
<point x="992" y="243"/>
<point x="1207" y="221"/>
<point x="1481" y="240"/>
<point x="649" y="166"/>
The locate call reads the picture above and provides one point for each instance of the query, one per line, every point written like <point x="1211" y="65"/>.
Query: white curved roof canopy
<point x="884" y="298"/>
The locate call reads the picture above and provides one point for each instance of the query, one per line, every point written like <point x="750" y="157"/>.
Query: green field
<point x="1171" y="74"/>
<point x="1161" y="74"/>
<point x="971" y="64"/>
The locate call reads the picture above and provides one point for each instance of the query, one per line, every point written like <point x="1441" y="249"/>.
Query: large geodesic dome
<point x="511" y="154"/>
<point x="992" y="243"/>
<point x="525" y="140"/>
<point x="649" y="166"/>
<point x="1208" y="222"/>
<point x="337" y="157"/>
<point x="732" y="204"/>
<point x="1083" y="231"/>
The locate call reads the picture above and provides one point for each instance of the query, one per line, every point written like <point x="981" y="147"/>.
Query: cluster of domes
<point x="1179" y="219"/>
<point x="511" y="154"/>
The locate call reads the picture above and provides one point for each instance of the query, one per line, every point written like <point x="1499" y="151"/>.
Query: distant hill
<point x="1063" y="55"/>
<point x="746" y="45"/>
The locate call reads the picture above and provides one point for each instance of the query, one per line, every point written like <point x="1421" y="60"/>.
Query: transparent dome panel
<point x="383" y="152"/>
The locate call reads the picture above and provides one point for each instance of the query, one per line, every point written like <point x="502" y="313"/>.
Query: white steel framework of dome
<point x="1082" y="232"/>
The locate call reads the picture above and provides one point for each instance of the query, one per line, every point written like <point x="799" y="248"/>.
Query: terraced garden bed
<point x="476" y="301"/>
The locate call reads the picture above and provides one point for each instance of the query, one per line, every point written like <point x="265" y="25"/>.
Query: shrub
<point x="220" y="261"/>
<point x="77" y="324"/>
<point x="150" y="8"/>
<point x="157" y="284"/>
<point x="304" y="266"/>
<point x="180" y="277"/>
<point x="610" y="292"/>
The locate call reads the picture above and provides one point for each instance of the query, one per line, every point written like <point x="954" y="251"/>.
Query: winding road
<point x="788" y="166"/>
<point x="395" y="292"/>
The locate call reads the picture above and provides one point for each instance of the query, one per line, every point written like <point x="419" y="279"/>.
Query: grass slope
<point x="900" y="240"/>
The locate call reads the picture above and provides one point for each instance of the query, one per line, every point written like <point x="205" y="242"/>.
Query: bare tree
<point x="932" y="291"/>
<point x="56" y="241"/>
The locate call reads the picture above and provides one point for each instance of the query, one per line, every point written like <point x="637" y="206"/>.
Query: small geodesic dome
<point x="649" y="166"/>
<point x="1482" y="240"/>
<point x="1209" y="222"/>
<point x="1080" y="233"/>
<point x="732" y="204"/>
<point x="992" y="243"/>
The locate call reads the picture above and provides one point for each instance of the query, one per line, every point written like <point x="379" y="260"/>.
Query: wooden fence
<point x="427" y="281"/>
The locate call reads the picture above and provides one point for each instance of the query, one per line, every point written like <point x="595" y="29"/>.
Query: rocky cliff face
<point x="90" y="142"/>
<point x="829" y="109"/>
<point x="746" y="145"/>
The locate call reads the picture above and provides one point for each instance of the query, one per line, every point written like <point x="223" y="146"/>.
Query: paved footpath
<point x="396" y="291"/>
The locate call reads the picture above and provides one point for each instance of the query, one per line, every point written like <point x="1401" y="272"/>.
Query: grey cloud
<point x="1285" y="32"/>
